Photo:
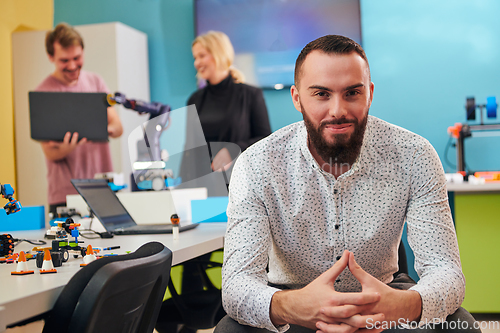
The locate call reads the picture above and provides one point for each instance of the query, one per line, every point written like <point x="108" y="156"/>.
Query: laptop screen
<point x="104" y="203"/>
<point x="52" y="114"/>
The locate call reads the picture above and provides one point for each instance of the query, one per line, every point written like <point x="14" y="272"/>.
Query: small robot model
<point x="61" y="234"/>
<point x="13" y="206"/>
<point x="149" y="171"/>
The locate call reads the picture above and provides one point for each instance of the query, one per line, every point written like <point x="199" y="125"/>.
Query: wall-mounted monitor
<point x="268" y="35"/>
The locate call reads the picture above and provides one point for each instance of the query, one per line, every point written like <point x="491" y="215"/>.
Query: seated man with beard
<point x="316" y="213"/>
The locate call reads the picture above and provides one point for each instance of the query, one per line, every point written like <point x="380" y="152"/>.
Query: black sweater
<point x="232" y="112"/>
<point x="228" y="112"/>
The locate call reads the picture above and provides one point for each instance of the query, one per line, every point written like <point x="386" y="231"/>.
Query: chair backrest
<point x="402" y="260"/>
<point x="114" y="294"/>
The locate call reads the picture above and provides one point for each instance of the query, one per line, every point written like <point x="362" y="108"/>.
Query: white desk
<point x="466" y="187"/>
<point x="23" y="297"/>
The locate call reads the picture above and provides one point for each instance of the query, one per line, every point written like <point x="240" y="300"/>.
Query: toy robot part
<point x="174" y="219"/>
<point x="56" y="258"/>
<point x="175" y="229"/>
<point x="13" y="206"/>
<point x="6" y="245"/>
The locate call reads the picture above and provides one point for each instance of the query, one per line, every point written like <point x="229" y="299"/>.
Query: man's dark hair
<point x="65" y="35"/>
<point x="330" y="44"/>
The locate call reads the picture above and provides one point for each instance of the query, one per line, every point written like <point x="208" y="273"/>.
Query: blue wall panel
<point x="169" y="26"/>
<point x="426" y="57"/>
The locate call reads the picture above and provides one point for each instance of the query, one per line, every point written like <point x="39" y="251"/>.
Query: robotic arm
<point x="149" y="149"/>
<point x="159" y="120"/>
<point x="13" y="206"/>
<point x="154" y="109"/>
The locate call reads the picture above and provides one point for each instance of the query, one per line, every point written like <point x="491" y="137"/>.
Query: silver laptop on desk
<point x="114" y="217"/>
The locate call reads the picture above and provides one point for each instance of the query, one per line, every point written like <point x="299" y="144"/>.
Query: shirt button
<point x="338" y="257"/>
<point x="335" y="191"/>
<point x="337" y="227"/>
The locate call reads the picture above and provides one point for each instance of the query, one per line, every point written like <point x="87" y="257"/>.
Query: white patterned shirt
<point x="287" y="214"/>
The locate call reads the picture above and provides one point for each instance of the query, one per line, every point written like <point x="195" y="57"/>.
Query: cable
<point x="17" y="241"/>
<point x="91" y="234"/>
<point x="446" y="154"/>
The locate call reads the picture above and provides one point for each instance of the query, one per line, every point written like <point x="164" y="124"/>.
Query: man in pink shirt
<point x="73" y="158"/>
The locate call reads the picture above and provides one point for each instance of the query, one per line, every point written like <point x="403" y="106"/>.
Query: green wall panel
<point x="478" y="230"/>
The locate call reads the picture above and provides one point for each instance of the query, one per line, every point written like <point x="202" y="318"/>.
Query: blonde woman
<point x="228" y="109"/>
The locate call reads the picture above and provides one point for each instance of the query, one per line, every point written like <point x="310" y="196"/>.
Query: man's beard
<point x="345" y="149"/>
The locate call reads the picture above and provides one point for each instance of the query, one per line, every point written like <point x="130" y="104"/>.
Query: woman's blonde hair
<point x="220" y="47"/>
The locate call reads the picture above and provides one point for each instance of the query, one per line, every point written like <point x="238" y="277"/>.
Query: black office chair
<point x="114" y="294"/>
<point x="402" y="259"/>
<point x="195" y="308"/>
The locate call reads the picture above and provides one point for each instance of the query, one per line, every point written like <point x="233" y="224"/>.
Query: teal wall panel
<point x="169" y="27"/>
<point x="426" y="57"/>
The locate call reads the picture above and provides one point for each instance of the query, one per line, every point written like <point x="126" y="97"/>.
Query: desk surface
<point x="466" y="187"/>
<point x="26" y="296"/>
